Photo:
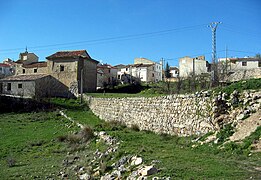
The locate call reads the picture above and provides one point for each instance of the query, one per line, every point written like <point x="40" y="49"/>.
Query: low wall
<point x="182" y="115"/>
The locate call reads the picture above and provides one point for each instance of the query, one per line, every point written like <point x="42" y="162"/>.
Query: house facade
<point x="234" y="64"/>
<point x="106" y="75"/>
<point x="73" y="69"/>
<point x="64" y="74"/>
<point x="197" y="65"/>
<point x="5" y="70"/>
<point x="143" y="70"/>
<point x="27" y="86"/>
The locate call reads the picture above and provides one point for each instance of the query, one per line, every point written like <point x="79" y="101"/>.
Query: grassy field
<point x="30" y="139"/>
<point x="28" y="145"/>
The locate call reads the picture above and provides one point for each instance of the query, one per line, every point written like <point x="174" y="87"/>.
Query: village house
<point x="106" y="75"/>
<point x="174" y="74"/>
<point x="28" y="86"/>
<point x="5" y="70"/>
<point x="28" y="63"/>
<point x="143" y="69"/>
<point x="234" y="64"/>
<point x="198" y="65"/>
<point x="66" y="74"/>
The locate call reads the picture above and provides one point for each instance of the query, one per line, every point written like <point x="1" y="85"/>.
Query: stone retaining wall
<point x="182" y="115"/>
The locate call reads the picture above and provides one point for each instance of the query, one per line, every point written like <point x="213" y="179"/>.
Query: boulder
<point x="148" y="170"/>
<point x="136" y="161"/>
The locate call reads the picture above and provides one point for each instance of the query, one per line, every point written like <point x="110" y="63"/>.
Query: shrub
<point x="86" y="134"/>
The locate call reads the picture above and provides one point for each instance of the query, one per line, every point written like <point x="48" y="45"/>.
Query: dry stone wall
<point x="182" y="115"/>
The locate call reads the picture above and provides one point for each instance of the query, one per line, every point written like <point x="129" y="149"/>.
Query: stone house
<point x="28" y="64"/>
<point x="73" y="67"/>
<point x="106" y="75"/>
<point x="198" y="64"/>
<point x="63" y="74"/>
<point x="5" y="70"/>
<point x="30" y="86"/>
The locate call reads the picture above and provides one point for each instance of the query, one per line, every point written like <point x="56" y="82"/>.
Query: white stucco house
<point x="245" y="63"/>
<point x="143" y="69"/>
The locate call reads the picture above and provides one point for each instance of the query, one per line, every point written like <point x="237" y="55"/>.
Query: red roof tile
<point x="72" y="54"/>
<point x="4" y="65"/>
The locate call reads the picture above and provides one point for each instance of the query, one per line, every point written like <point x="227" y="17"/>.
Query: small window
<point x="152" y="74"/>
<point x="126" y="69"/>
<point x="20" y="86"/>
<point x="35" y="70"/>
<point x="109" y="71"/>
<point x="244" y="63"/>
<point x="61" y="68"/>
<point x="0" y="68"/>
<point x="8" y="86"/>
<point x="259" y="63"/>
<point x="119" y="76"/>
<point x="23" y="71"/>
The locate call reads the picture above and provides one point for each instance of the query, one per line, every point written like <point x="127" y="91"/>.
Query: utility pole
<point x="81" y="86"/>
<point x="214" y="68"/>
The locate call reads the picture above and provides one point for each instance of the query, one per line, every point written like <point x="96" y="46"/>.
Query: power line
<point x="112" y="39"/>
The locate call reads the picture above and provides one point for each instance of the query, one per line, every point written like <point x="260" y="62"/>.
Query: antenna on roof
<point x="26" y="49"/>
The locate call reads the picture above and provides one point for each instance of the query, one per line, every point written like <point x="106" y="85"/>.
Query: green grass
<point x="31" y="140"/>
<point x="177" y="158"/>
<point x="251" y="84"/>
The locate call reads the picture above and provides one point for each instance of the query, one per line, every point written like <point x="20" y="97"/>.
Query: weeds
<point x="10" y="162"/>
<point x="224" y="133"/>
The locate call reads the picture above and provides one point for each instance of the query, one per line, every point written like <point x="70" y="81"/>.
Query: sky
<point x="117" y="31"/>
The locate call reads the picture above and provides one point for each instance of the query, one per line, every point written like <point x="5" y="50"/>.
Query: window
<point x="23" y="71"/>
<point x="126" y="69"/>
<point x="35" y="70"/>
<point x="152" y="74"/>
<point x="20" y="86"/>
<point x="0" y="69"/>
<point x="109" y="71"/>
<point x="119" y="76"/>
<point x="259" y="63"/>
<point x="25" y="58"/>
<point x="8" y="86"/>
<point x="61" y="68"/>
<point x="244" y="63"/>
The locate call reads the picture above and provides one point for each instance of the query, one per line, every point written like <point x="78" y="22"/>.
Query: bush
<point x="86" y="134"/>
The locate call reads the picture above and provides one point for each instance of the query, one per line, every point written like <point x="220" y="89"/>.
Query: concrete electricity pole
<point x="214" y="66"/>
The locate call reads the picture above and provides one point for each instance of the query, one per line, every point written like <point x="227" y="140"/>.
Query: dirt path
<point x="246" y="127"/>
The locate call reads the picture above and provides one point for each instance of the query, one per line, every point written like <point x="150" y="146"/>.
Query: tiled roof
<point x="36" y="64"/>
<point x="103" y="66"/>
<point x="4" y="65"/>
<point x="174" y="68"/>
<point x="245" y="59"/>
<point x="72" y="54"/>
<point x="19" y="61"/>
<point x="139" y="65"/>
<point x="24" y="77"/>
